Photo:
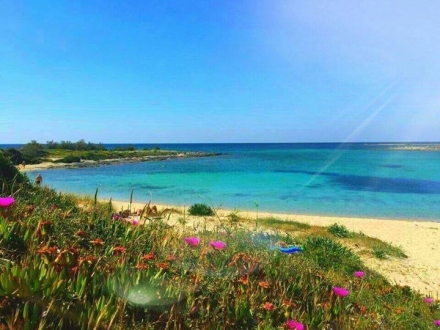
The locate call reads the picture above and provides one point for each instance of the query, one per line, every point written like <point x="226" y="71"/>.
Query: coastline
<point x="112" y="161"/>
<point x="418" y="240"/>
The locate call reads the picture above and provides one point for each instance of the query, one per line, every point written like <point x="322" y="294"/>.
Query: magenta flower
<point x="192" y="241"/>
<point x="341" y="292"/>
<point x="294" y="325"/>
<point x="437" y="323"/>
<point x="428" y="300"/>
<point x="116" y="217"/>
<point x="218" y="245"/>
<point x="135" y="222"/>
<point x="6" y="201"/>
<point x="359" y="274"/>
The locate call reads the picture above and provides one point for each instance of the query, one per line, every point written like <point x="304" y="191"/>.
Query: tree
<point x="81" y="145"/>
<point x="32" y="152"/>
<point x="52" y="145"/>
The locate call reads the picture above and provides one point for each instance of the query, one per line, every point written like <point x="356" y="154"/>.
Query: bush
<point x="32" y="152"/>
<point x="201" y="209"/>
<point x="8" y="172"/>
<point x="339" y="230"/>
<point x="11" y="182"/>
<point x="14" y="155"/>
<point x="93" y="156"/>
<point x="69" y="159"/>
<point x="329" y="254"/>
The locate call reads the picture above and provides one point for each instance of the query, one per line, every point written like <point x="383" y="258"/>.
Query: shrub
<point x="32" y="152"/>
<point x="329" y="254"/>
<point x="14" y="155"/>
<point x="93" y="156"/>
<point x="200" y="209"/>
<point x="8" y="173"/>
<point x="69" y="159"/>
<point x="233" y="216"/>
<point x="339" y="230"/>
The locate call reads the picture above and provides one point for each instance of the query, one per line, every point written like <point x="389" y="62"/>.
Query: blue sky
<point x="219" y="71"/>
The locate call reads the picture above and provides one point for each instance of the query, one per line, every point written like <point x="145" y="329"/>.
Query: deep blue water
<point x="359" y="180"/>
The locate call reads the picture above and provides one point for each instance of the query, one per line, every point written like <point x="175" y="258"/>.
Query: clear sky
<point x="219" y="71"/>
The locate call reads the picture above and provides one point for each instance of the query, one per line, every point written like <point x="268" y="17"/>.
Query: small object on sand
<point x="290" y="249"/>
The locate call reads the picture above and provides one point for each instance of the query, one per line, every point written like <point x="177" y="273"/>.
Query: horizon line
<point x="332" y="142"/>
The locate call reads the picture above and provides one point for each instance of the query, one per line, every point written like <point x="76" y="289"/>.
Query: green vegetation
<point x="75" y="152"/>
<point x="339" y="230"/>
<point x="70" y="263"/>
<point x="69" y="159"/>
<point x="383" y="250"/>
<point x="233" y="217"/>
<point x="272" y="222"/>
<point x="328" y="254"/>
<point x="201" y="210"/>
<point x="379" y="252"/>
<point x="31" y="153"/>
<point x="81" y="145"/>
<point x="9" y="176"/>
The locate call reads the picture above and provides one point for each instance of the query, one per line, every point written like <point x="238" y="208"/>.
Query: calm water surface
<point x="358" y="180"/>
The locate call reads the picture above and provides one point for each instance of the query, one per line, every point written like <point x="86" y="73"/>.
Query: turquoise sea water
<point x="356" y="180"/>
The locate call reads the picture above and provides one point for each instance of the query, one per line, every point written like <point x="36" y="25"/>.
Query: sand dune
<point x="418" y="239"/>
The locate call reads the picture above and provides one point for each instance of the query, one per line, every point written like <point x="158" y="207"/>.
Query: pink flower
<point x="341" y="292"/>
<point x="116" y="217"/>
<point x="294" y="325"/>
<point x="359" y="274"/>
<point x="218" y="245"/>
<point x="437" y="323"/>
<point x="428" y="300"/>
<point x="192" y="241"/>
<point x="135" y="222"/>
<point x="6" y="201"/>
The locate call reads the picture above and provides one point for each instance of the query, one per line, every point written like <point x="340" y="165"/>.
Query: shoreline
<point x="418" y="240"/>
<point x="112" y="161"/>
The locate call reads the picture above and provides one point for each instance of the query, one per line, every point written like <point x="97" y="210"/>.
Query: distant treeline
<point x="34" y="152"/>
<point x="81" y="145"/>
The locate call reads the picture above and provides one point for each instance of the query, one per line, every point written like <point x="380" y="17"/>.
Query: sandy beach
<point x="418" y="239"/>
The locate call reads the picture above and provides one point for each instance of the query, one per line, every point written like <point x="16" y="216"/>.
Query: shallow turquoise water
<point x="356" y="180"/>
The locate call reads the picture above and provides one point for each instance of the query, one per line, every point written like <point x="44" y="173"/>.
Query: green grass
<point x="285" y="225"/>
<point x="67" y="263"/>
<point x="384" y="250"/>
<point x="339" y="231"/>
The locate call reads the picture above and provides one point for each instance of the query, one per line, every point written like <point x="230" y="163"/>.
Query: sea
<point x="364" y="180"/>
